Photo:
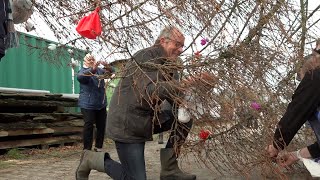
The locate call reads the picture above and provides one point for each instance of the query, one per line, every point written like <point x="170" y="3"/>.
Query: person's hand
<point x="105" y="63"/>
<point x="207" y="77"/>
<point x="286" y="160"/>
<point x="187" y="82"/>
<point x="201" y="77"/>
<point x="272" y="151"/>
<point x="107" y="66"/>
<point x="95" y="65"/>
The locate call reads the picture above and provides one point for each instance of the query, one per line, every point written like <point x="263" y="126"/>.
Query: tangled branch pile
<point x="253" y="50"/>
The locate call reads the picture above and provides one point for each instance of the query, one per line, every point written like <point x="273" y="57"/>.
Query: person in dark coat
<point x="3" y="30"/>
<point x="132" y="119"/>
<point x="303" y="107"/>
<point x="93" y="101"/>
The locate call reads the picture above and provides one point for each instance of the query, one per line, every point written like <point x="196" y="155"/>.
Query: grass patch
<point x="15" y="154"/>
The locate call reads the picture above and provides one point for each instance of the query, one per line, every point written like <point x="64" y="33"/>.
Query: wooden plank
<point x="36" y="125"/>
<point x="21" y="94"/>
<point x="56" y="114"/>
<point x="58" y="130"/>
<point x="22" y="125"/>
<point x="54" y="130"/>
<point x="26" y="132"/>
<point x="41" y="97"/>
<point x="39" y="117"/>
<point x="36" y="103"/>
<point x="26" y="109"/>
<point x="39" y="141"/>
<point x="4" y="133"/>
<point x="71" y="123"/>
<point x="44" y="118"/>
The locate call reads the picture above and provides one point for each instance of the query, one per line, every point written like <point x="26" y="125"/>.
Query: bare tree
<point x="253" y="52"/>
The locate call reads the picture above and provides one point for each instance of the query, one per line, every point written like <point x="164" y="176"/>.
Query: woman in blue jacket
<point x="93" y="100"/>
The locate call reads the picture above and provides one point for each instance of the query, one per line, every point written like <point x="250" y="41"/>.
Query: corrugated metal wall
<point x="33" y="66"/>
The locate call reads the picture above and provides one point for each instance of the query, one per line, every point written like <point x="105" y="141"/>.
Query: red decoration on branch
<point x="90" y="26"/>
<point x="197" y="54"/>
<point x="204" y="134"/>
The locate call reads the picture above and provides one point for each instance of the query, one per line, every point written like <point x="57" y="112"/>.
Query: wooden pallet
<point x="40" y="141"/>
<point x="38" y="120"/>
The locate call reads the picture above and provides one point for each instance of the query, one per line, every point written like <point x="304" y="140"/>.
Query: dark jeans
<point x="131" y="155"/>
<point x="115" y="170"/>
<point x="132" y="165"/>
<point x="91" y="117"/>
<point x="178" y="131"/>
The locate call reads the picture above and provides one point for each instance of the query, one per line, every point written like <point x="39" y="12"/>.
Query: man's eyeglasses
<point x="177" y="43"/>
<point x="91" y="59"/>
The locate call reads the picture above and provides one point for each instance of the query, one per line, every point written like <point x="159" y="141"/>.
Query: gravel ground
<point x="61" y="163"/>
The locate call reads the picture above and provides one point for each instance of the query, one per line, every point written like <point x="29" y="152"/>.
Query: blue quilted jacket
<point x="92" y="92"/>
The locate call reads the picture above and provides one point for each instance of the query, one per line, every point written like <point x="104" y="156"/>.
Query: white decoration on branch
<point x="21" y="10"/>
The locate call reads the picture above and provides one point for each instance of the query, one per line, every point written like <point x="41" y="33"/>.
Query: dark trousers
<point x="2" y="48"/>
<point x="178" y="131"/>
<point x="132" y="165"/>
<point x="131" y="155"/>
<point x="92" y="117"/>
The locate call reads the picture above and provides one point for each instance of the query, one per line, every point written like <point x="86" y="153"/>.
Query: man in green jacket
<point x="133" y="118"/>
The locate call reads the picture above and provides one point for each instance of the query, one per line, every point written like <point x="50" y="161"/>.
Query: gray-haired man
<point x="130" y="120"/>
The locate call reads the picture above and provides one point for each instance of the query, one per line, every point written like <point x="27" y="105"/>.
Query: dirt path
<point x="56" y="168"/>
<point x="62" y="166"/>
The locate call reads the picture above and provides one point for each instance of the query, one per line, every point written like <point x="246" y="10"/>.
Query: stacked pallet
<point x="38" y="119"/>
